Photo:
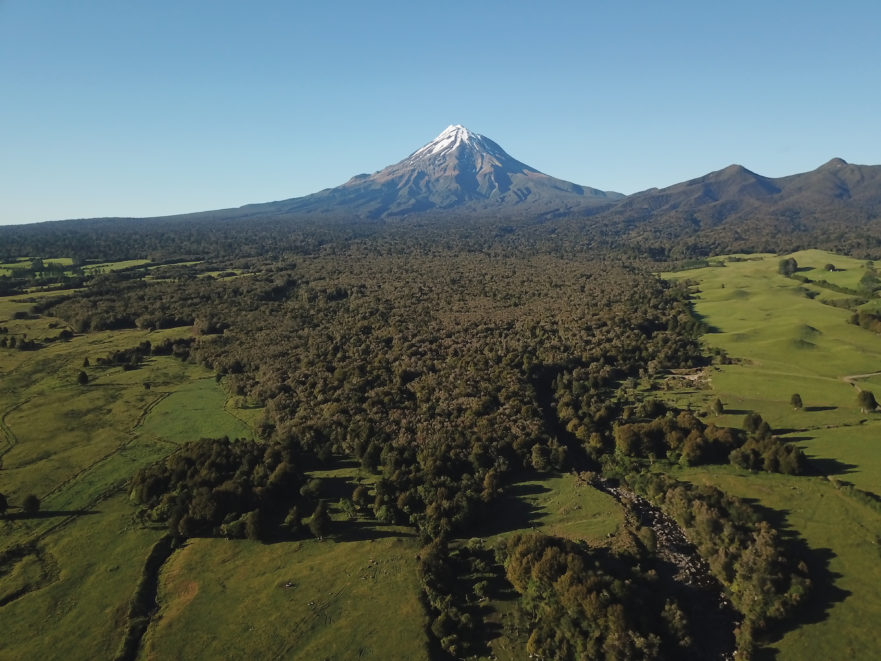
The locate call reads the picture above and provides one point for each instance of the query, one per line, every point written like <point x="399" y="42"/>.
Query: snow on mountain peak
<point x="450" y="138"/>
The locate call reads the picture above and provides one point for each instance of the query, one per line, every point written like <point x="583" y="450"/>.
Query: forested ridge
<point x="449" y="372"/>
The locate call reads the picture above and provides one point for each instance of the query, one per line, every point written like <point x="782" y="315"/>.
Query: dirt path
<point x="6" y="430"/>
<point x="852" y="379"/>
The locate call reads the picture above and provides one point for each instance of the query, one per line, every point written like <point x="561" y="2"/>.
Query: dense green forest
<point x="448" y="366"/>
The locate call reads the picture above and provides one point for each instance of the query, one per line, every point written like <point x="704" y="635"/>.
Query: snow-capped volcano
<point x="452" y="137"/>
<point x="458" y="170"/>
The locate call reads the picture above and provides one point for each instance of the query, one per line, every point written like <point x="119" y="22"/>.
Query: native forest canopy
<point x="440" y="437"/>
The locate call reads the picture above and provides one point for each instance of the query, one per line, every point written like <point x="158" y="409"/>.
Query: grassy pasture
<point x="79" y="587"/>
<point x="106" y="267"/>
<point x="194" y="410"/>
<point x="75" y="447"/>
<point x="304" y="600"/>
<point x="842" y="534"/>
<point x="788" y="342"/>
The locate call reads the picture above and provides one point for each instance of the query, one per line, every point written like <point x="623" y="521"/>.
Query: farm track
<point x="122" y="446"/>
<point x="11" y="440"/>
<point x="112" y="490"/>
<point x="109" y="492"/>
<point x="853" y="378"/>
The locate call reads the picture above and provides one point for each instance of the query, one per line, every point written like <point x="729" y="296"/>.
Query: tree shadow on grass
<point x="829" y="466"/>
<point x="336" y="487"/>
<point x="794" y="439"/>
<point x="46" y="514"/>
<point x="512" y="511"/>
<point x="823" y="596"/>
<point x="824" y="592"/>
<point x="359" y="530"/>
<point x="817" y="409"/>
<point x="708" y="327"/>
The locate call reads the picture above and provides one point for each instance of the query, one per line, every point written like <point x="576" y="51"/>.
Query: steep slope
<point x="739" y="208"/>
<point x="459" y="170"/>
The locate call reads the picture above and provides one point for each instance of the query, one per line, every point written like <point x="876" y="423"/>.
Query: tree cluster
<point x="764" y="577"/>
<point x="580" y="603"/>
<point x="214" y="487"/>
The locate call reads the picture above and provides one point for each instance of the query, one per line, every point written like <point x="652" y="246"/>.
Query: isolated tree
<point x="319" y="523"/>
<point x="866" y="400"/>
<point x="311" y="489"/>
<point x="360" y="496"/>
<point x="752" y="422"/>
<point x="254" y="525"/>
<point x="31" y="504"/>
<point x="795" y="401"/>
<point x="82" y="378"/>
<point x="788" y="266"/>
<point x="829" y="267"/>
<point x="717" y="407"/>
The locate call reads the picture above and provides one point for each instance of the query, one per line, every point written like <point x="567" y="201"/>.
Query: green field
<point x="106" y="267"/>
<point x="75" y="447"/>
<point x="306" y="600"/>
<point x="195" y="410"/>
<point x="558" y="505"/>
<point x="787" y="342"/>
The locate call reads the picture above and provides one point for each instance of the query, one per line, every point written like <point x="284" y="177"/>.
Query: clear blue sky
<point x="111" y="107"/>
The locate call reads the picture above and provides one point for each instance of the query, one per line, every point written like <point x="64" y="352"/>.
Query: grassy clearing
<point x="106" y="267"/>
<point x="195" y="410"/>
<point x="56" y="428"/>
<point x="788" y="342"/>
<point x="305" y="600"/>
<point x="556" y="505"/>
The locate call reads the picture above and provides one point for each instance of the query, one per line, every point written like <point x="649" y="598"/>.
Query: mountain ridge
<point x="464" y="179"/>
